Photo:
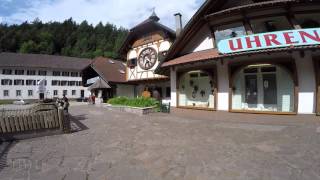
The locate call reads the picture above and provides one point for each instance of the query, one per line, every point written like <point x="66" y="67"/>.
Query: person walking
<point x="65" y="103"/>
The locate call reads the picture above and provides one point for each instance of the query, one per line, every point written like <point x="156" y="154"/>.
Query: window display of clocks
<point x="147" y="58"/>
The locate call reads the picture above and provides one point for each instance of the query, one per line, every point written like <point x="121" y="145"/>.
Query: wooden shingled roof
<point x="110" y="70"/>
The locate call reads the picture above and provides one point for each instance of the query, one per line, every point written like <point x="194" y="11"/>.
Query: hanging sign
<point x="301" y="37"/>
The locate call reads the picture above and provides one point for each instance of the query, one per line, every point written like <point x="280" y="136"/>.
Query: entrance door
<point x="41" y="96"/>
<point x="251" y="90"/>
<point x="82" y="94"/>
<point x="270" y="89"/>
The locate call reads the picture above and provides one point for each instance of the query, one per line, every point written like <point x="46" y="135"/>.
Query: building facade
<point x="144" y="47"/>
<point x="112" y="73"/>
<point x="248" y="56"/>
<point x="29" y="76"/>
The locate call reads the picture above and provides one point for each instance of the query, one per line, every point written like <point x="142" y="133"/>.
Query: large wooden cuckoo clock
<point x="147" y="58"/>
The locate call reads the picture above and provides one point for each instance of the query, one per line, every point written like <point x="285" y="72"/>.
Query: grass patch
<point x="134" y="102"/>
<point x="2" y="102"/>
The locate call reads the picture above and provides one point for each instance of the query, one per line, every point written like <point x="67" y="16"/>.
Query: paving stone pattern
<point x="108" y="145"/>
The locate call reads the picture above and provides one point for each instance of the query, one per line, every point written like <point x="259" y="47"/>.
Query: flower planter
<point x="134" y="110"/>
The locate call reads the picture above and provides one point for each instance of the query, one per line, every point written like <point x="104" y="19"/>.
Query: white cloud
<point x="126" y="13"/>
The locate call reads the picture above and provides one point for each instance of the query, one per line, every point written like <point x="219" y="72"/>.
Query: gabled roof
<point x="42" y="61"/>
<point x="148" y="26"/>
<point x="109" y="70"/>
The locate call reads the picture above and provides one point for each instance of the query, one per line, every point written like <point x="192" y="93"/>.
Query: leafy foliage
<point x="134" y="102"/>
<point x="67" y="38"/>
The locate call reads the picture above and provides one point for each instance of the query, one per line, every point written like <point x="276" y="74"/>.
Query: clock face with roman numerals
<point x="147" y="58"/>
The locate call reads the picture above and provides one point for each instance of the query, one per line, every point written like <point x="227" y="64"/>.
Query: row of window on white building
<point x="6" y="93"/>
<point x="40" y="73"/>
<point x="31" y="82"/>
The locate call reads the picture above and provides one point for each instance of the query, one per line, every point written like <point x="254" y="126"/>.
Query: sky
<point x="124" y="13"/>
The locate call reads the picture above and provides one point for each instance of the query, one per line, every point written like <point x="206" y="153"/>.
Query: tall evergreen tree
<point x="66" y="38"/>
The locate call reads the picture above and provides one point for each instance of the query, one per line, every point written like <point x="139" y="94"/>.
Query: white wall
<point x="173" y="83"/>
<point x="307" y="83"/>
<point x="201" y="41"/>
<point x="49" y="88"/>
<point x="223" y="86"/>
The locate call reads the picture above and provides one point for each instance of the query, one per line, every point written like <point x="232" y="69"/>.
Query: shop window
<point x="308" y="20"/>
<point x="263" y="87"/>
<point x="229" y="31"/>
<point x="196" y="89"/>
<point x="270" y="24"/>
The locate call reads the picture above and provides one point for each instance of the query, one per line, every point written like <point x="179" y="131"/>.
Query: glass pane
<point x="229" y="31"/>
<point x="309" y="20"/>
<point x="271" y="88"/>
<point x="196" y="89"/>
<point x="270" y="24"/>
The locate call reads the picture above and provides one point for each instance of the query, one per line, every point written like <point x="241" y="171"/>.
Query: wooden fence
<point x="39" y="117"/>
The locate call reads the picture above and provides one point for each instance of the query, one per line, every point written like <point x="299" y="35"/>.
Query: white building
<point x="20" y="75"/>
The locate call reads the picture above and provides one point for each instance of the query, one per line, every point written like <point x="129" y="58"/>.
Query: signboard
<point x="278" y="39"/>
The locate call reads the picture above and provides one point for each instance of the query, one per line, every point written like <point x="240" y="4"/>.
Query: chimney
<point x="178" y="17"/>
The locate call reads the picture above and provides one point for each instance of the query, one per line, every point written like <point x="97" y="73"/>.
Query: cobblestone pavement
<point x="117" y="146"/>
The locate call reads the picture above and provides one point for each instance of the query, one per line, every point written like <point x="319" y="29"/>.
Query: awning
<point x="213" y="54"/>
<point x="99" y="84"/>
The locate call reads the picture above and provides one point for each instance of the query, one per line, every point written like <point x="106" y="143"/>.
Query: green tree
<point x="28" y="47"/>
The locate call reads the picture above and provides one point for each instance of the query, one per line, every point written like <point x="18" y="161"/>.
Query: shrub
<point x="134" y="102"/>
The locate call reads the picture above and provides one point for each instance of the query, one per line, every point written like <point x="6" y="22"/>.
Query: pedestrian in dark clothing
<point x="66" y="103"/>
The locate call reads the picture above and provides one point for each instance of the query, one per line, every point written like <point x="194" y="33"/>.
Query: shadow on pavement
<point x="76" y="124"/>
<point x="4" y="149"/>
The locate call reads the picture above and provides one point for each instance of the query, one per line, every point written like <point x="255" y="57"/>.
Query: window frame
<point x="18" y="93"/>
<point x="6" y="93"/>
<point x="7" y="71"/>
<point x="30" y="94"/>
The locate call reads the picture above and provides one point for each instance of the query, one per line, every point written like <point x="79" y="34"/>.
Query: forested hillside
<point x="67" y="38"/>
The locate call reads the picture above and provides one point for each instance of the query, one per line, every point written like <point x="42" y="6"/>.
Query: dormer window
<point x="308" y="20"/>
<point x="270" y="24"/>
<point x="229" y="31"/>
